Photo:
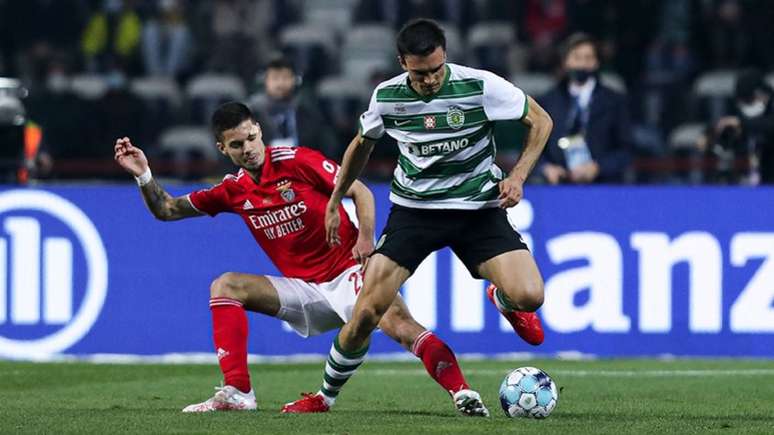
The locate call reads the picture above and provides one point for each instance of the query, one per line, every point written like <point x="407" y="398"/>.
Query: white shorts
<point x="311" y="309"/>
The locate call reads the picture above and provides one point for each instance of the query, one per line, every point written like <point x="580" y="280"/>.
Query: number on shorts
<point x="357" y="281"/>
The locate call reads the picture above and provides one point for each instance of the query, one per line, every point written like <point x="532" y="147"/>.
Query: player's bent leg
<point x="230" y="294"/>
<point x="516" y="274"/>
<point x="437" y="357"/>
<point x="381" y="283"/>
<point x="398" y="324"/>
<point x="382" y="280"/>
<point x="517" y="291"/>
<point x="255" y="292"/>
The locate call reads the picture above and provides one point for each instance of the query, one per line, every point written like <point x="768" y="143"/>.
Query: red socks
<point x="439" y="362"/>
<point x="229" y="328"/>
<point x="229" y="325"/>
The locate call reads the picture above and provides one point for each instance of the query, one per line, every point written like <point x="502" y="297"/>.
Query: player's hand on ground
<point x="363" y="249"/>
<point x="131" y="158"/>
<point x="332" y="222"/>
<point x="511" y="191"/>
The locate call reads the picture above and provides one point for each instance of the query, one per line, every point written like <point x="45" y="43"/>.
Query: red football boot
<point x="527" y="325"/>
<point x="308" y="403"/>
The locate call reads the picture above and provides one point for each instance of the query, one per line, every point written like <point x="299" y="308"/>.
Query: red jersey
<point x="285" y="212"/>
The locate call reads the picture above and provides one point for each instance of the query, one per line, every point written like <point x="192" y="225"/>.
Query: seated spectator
<point x="293" y="116"/>
<point x="590" y="139"/>
<point x="742" y="144"/>
<point x="112" y="37"/>
<point x="166" y="40"/>
<point x="118" y="112"/>
<point x="233" y="36"/>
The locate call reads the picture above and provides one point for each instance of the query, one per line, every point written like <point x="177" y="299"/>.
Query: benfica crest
<point x="285" y="190"/>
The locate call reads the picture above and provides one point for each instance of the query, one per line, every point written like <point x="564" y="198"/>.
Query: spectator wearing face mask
<point x="292" y="116"/>
<point x="746" y="137"/>
<point x="591" y="137"/>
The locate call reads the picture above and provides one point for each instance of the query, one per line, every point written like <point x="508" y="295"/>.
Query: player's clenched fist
<point x="511" y="192"/>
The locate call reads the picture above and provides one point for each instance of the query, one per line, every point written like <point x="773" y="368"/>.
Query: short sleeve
<point x="503" y="100"/>
<point x="210" y="201"/>
<point x="370" y="123"/>
<point x="316" y="169"/>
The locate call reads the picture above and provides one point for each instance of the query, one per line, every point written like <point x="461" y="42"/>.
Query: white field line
<point x="593" y="373"/>
<point x="517" y="359"/>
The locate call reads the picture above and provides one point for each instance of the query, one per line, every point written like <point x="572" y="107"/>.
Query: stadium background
<point x="674" y="267"/>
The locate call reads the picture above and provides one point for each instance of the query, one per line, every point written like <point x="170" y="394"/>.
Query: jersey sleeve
<point x="210" y="201"/>
<point x="317" y="170"/>
<point x="503" y="100"/>
<point x="370" y="123"/>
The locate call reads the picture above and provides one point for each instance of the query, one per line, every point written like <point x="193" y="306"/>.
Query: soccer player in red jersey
<point x="281" y="193"/>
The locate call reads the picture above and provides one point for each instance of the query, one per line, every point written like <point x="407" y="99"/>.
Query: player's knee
<point x="533" y="298"/>
<point x="366" y="320"/>
<point x="526" y="296"/>
<point x="226" y="286"/>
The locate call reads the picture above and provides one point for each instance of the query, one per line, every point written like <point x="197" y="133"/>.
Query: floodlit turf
<point x="631" y="396"/>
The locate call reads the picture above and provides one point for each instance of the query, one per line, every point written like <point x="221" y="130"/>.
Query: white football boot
<point x="469" y="403"/>
<point x="226" y="398"/>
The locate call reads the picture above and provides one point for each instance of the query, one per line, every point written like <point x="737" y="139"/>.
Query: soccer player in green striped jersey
<point x="447" y="189"/>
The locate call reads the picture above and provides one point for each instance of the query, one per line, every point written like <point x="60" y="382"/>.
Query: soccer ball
<point x="528" y="392"/>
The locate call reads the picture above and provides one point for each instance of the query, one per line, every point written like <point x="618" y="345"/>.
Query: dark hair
<point x="575" y="40"/>
<point x="228" y="116"/>
<point x="420" y="37"/>
<point x="281" y="63"/>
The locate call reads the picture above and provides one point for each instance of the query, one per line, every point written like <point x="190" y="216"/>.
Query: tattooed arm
<point x="163" y="206"/>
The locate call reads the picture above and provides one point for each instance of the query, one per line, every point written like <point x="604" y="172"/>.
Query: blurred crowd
<point x="641" y="91"/>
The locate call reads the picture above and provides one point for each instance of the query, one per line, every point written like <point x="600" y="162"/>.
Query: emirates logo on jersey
<point x="429" y="122"/>
<point x="278" y="216"/>
<point x="281" y="222"/>
<point x="286" y="191"/>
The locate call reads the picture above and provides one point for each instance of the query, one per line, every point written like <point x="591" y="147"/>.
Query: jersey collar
<point x="429" y="98"/>
<point x="247" y="181"/>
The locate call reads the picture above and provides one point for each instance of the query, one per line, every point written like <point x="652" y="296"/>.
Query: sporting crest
<point x="455" y="117"/>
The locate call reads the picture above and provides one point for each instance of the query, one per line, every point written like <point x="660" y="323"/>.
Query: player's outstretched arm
<point x="355" y="159"/>
<point x="365" y="209"/>
<point x="163" y="206"/>
<point x="539" y="125"/>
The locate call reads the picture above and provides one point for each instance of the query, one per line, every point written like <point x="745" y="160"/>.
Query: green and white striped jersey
<point x="446" y="146"/>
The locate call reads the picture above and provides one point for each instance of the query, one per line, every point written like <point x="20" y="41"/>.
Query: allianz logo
<point x="596" y="269"/>
<point x="27" y="299"/>
<point x="37" y="286"/>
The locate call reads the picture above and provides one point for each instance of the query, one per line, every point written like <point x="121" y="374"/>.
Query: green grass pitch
<point x="603" y="396"/>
